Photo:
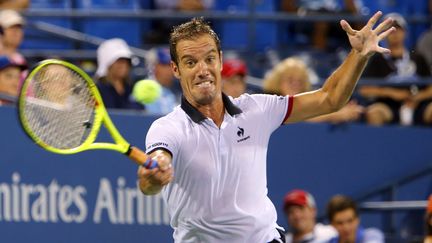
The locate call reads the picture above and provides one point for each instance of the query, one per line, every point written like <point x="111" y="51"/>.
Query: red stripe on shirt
<point x="290" y="107"/>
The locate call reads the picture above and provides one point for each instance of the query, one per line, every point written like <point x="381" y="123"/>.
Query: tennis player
<point x="212" y="149"/>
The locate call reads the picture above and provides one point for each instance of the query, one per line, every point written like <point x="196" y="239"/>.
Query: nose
<point x="203" y="70"/>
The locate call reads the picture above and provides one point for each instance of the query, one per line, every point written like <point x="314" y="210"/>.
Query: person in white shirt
<point x="300" y="211"/>
<point x="211" y="150"/>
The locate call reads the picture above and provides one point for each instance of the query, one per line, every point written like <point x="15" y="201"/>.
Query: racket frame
<point x="100" y="115"/>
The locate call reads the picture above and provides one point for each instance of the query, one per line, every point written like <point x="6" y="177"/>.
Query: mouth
<point x="204" y="84"/>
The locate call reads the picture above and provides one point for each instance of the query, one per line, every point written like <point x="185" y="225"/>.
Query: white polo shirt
<point x="219" y="191"/>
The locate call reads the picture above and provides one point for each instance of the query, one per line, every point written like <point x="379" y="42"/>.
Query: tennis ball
<point x="146" y="91"/>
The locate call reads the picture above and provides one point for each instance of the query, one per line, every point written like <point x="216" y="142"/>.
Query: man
<point x="343" y="215"/>
<point x="390" y="104"/>
<point x="217" y="146"/>
<point x="300" y="210"/>
<point x="233" y="77"/>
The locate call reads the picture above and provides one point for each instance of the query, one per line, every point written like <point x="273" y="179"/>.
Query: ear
<point x="175" y="69"/>
<point x="314" y="211"/>
<point x="221" y="60"/>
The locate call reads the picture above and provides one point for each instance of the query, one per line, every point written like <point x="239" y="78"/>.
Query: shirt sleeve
<point x="275" y="109"/>
<point x="161" y="135"/>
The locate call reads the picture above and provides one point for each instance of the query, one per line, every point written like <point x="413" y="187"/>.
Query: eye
<point x="189" y="63"/>
<point x="211" y="59"/>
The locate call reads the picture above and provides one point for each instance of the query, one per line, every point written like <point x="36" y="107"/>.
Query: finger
<point x="144" y="172"/>
<point x="384" y="34"/>
<point x="347" y="27"/>
<point x="383" y="50"/>
<point x="372" y="21"/>
<point x="387" y="23"/>
<point x="164" y="163"/>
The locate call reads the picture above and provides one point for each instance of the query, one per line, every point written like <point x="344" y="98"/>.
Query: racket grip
<point x="141" y="158"/>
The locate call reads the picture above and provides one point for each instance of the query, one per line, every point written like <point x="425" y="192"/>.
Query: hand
<point x="152" y="181"/>
<point x="350" y="112"/>
<point x="366" y="40"/>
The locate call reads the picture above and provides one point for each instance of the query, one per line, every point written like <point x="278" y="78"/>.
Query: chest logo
<point x="240" y="134"/>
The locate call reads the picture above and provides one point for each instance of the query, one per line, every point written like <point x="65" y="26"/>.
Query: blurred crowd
<point x="394" y="89"/>
<point x="342" y="222"/>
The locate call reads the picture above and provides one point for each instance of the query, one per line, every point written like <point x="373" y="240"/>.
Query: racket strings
<point x="59" y="107"/>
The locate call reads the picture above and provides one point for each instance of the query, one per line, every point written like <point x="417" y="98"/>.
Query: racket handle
<point x="141" y="158"/>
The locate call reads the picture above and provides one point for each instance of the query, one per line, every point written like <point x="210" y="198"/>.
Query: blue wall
<point x="92" y="196"/>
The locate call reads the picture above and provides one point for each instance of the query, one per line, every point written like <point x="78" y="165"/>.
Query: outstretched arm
<point x="338" y="88"/>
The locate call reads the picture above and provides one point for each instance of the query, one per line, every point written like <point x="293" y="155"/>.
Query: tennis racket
<point x="61" y="110"/>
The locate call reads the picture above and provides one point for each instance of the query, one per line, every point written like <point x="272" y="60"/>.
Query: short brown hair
<point x="338" y="204"/>
<point x="189" y="31"/>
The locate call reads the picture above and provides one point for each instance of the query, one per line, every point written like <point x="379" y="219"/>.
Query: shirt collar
<point x="198" y="117"/>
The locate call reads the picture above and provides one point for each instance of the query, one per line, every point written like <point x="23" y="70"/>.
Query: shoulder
<point x="325" y="232"/>
<point x="373" y="234"/>
<point x="255" y="100"/>
<point x="288" y="237"/>
<point x="175" y="122"/>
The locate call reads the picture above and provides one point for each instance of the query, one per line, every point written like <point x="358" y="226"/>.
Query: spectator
<point x="9" y="79"/>
<point x="234" y="77"/>
<point x="321" y="31"/>
<point x="406" y="104"/>
<point x="291" y="76"/>
<point x="162" y="28"/>
<point x="112" y="74"/>
<point x="12" y="24"/>
<point x="300" y="211"/>
<point x="343" y="215"/>
<point x="14" y="4"/>
<point x="159" y="63"/>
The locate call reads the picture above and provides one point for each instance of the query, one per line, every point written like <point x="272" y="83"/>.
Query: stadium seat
<point x="128" y="29"/>
<point x="36" y="39"/>
<point x="234" y="34"/>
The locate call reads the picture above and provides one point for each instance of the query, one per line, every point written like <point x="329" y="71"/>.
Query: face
<point x="9" y="80"/>
<point x="346" y="224"/>
<point x="119" y="69"/>
<point x="292" y="83"/>
<point x="13" y="36"/>
<point x="301" y="218"/>
<point x="396" y="38"/>
<point x="199" y="70"/>
<point x="234" y="86"/>
<point x="55" y="83"/>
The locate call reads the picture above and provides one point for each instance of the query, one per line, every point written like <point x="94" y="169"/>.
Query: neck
<point x="8" y="50"/>
<point x="298" y="236"/>
<point x="397" y="51"/>
<point x="214" y="111"/>
<point x="117" y="83"/>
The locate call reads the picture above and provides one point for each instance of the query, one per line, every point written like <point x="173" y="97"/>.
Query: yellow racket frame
<point x="100" y="116"/>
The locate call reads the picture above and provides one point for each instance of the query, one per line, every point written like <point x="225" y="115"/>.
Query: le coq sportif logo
<point x="240" y="132"/>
